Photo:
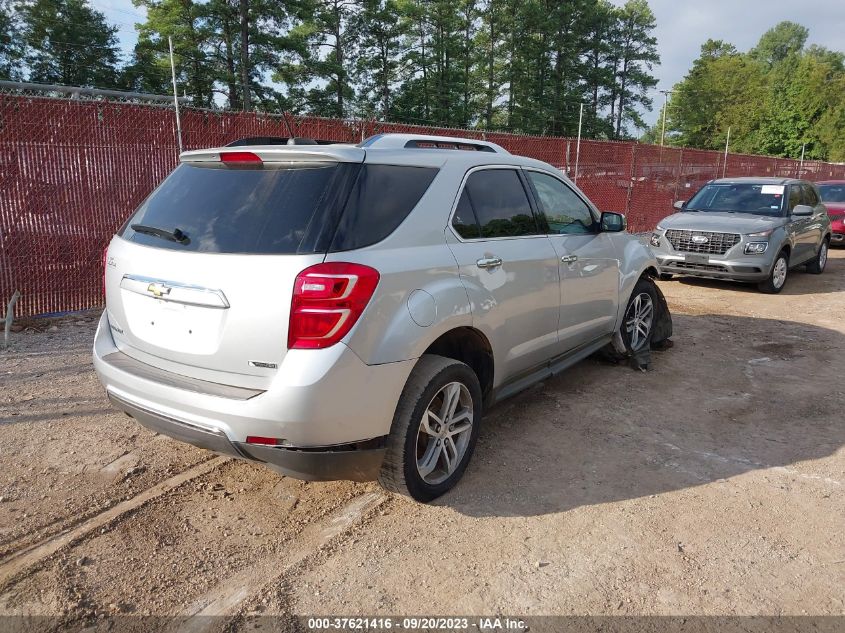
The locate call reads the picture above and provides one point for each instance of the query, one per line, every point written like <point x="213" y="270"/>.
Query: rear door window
<point x="501" y="204"/>
<point x="263" y="209"/>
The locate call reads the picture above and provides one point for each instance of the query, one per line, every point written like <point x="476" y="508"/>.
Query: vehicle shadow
<point x="799" y="282"/>
<point x="734" y="395"/>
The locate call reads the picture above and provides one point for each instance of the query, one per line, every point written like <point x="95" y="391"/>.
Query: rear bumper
<point x="837" y="239"/>
<point x="350" y="462"/>
<point x="331" y="418"/>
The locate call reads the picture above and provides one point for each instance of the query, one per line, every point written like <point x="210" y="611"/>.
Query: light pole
<point x="666" y="94"/>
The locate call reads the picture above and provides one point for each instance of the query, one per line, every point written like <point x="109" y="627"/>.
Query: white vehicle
<point x="347" y="312"/>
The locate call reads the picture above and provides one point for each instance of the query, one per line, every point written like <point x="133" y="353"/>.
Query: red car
<point x="833" y="197"/>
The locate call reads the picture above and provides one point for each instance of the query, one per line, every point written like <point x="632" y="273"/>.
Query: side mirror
<point x="613" y="222"/>
<point x="679" y="204"/>
<point x="802" y="210"/>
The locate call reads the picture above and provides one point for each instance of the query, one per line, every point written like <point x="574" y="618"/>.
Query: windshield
<point x="758" y="199"/>
<point x="832" y="193"/>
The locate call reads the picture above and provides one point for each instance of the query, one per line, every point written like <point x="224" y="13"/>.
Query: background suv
<point x="745" y="229"/>
<point x="345" y="312"/>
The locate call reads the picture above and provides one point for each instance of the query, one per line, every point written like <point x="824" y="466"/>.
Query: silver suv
<point x="746" y="229"/>
<point x="346" y="312"/>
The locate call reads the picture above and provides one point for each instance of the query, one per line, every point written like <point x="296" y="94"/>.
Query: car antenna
<point x="287" y="124"/>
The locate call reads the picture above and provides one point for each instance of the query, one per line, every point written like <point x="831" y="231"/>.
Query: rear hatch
<point x="199" y="280"/>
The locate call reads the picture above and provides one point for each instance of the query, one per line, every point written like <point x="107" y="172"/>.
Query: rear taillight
<point x="327" y="301"/>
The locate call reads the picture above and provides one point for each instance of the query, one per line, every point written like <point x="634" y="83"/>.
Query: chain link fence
<point x="73" y="169"/>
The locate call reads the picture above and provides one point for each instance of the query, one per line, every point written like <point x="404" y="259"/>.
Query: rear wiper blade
<point x="176" y="235"/>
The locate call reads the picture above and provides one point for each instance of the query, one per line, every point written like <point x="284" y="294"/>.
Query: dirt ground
<point x="711" y="485"/>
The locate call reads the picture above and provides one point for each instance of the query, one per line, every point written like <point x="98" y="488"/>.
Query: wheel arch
<point x="468" y="345"/>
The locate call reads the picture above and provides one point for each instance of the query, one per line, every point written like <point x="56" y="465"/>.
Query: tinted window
<point x="381" y="198"/>
<point x="759" y="199"/>
<point x="464" y="220"/>
<point x="500" y="203"/>
<point x="565" y="212"/>
<point x="794" y="197"/>
<point x="832" y="193"/>
<point x="251" y="209"/>
<point x="810" y="197"/>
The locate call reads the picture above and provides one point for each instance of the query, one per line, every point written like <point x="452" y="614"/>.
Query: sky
<point x="682" y="27"/>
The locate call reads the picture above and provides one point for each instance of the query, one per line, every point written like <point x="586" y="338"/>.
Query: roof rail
<point x="423" y="141"/>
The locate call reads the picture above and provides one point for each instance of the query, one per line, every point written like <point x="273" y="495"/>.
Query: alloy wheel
<point x="779" y="273"/>
<point x="444" y="433"/>
<point x="638" y="320"/>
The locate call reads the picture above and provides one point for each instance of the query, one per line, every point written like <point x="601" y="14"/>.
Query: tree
<point x="779" y="42"/>
<point x="69" y="43"/>
<point x="319" y="73"/>
<point x="777" y="99"/>
<point x="377" y="68"/>
<point x="10" y="47"/>
<point x="634" y="53"/>
<point x="188" y="24"/>
<point x="722" y="90"/>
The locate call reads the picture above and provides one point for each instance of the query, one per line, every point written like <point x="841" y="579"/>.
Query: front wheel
<point x="816" y="266"/>
<point x="777" y="276"/>
<point x="638" y="324"/>
<point x="434" y="430"/>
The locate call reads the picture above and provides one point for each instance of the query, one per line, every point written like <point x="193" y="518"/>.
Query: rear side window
<point x="500" y="203"/>
<point x="264" y="209"/>
<point x="464" y="221"/>
<point x="382" y="197"/>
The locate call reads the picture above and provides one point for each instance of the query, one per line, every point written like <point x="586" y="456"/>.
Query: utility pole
<point x="578" y="145"/>
<point x="175" y="95"/>
<point x="727" y="144"/>
<point x="666" y="94"/>
<point x="801" y="165"/>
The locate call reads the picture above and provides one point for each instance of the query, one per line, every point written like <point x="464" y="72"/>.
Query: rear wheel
<point x="817" y="265"/>
<point x="777" y="276"/>
<point x="434" y="431"/>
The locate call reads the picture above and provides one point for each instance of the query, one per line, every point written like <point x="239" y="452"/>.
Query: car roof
<point x="764" y="180"/>
<point x="384" y="149"/>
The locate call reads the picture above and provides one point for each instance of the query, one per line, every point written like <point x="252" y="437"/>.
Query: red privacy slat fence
<point x="72" y="171"/>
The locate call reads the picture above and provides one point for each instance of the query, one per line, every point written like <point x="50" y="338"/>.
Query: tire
<point x="816" y="266"/>
<point x="777" y="275"/>
<point x="412" y="448"/>
<point x="666" y="276"/>
<point x="638" y="323"/>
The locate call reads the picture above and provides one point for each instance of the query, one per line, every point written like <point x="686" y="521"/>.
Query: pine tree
<point x="68" y="42"/>
<point x="11" y="51"/>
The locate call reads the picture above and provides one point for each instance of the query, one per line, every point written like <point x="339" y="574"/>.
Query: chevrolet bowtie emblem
<point x="158" y="289"/>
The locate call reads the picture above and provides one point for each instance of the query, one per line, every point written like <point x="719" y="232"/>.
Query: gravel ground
<point x="711" y="484"/>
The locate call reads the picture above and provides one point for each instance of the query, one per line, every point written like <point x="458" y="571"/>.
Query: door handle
<point x="568" y="259"/>
<point x="489" y="262"/>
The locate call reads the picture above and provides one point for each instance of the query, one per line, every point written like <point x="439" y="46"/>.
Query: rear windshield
<point x="277" y="209"/>
<point x="757" y="199"/>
